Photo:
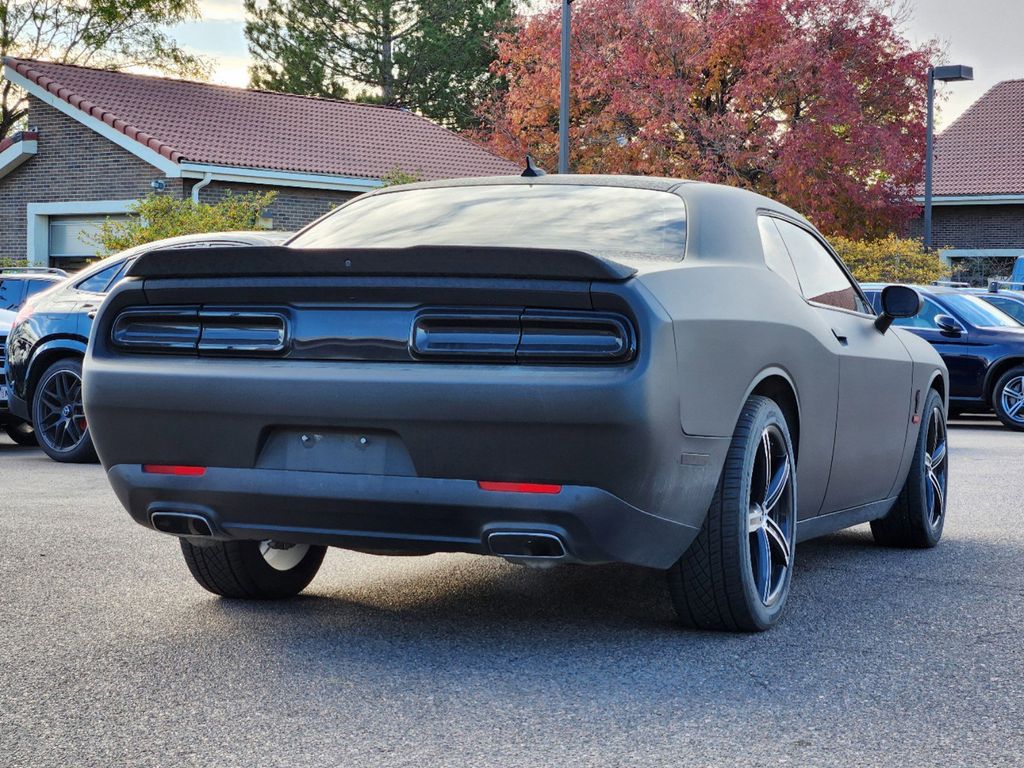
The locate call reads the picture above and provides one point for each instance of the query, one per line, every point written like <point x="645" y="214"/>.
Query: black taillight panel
<point x="178" y="330"/>
<point x="529" y="336"/>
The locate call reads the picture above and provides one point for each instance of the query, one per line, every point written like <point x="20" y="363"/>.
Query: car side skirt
<point x="821" y="525"/>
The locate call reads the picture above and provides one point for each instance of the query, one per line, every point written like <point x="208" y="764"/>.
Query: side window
<point x="10" y="293"/>
<point x="775" y="254"/>
<point x="923" y="319"/>
<point x="97" y="283"/>
<point x="1014" y="309"/>
<point x="821" y="278"/>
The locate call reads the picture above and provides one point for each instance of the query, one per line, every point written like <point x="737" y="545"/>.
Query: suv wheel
<point x="1008" y="398"/>
<point x="257" y="570"/>
<point x="58" y="415"/>
<point x="736" y="574"/>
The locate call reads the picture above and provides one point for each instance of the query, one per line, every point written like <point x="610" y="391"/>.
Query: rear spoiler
<point x="419" y="260"/>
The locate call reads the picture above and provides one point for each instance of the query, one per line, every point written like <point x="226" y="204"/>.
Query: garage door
<point x="70" y="240"/>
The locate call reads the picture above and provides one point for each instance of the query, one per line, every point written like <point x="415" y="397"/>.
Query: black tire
<point x="713" y="585"/>
<point x="915" y="521"/>
<point x="22" y="433"/>
<point x="1007" y="394"/>
<point x="238" y="569"/>
<point x="63" y="437"/>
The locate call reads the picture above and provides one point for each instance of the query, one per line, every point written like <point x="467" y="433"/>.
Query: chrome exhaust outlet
<point x="181" y="524"/>
<point x="526" y="545"/>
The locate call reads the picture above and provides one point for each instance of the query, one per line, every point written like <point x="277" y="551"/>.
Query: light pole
<point x="947" y="74"/>
<point x="563" y="107"/>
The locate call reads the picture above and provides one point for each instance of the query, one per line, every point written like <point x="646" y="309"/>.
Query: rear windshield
<point x="614" y="222"/>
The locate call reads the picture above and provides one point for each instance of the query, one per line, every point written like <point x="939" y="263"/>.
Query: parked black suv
<point x="983" y="347"/>
<point x="17" y="284"/>
<point x="47" y="342"/>
<point x="18" y="430"/>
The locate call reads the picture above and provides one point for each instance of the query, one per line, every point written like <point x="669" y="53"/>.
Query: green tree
<point x="432" y="56"/>
<point x="155" y="217"/>
<point x="890" y="260"/>
<point x="114" y="34"/>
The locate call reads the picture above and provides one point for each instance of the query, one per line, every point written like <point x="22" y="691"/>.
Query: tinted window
<point x="1014" y="309"/>
<point x="821" y="278"/>
<point x="97" y="283"/>
<point x="923" y="319"/>
<point x="775" y="254"/>
<point x="10" y="293"/>
<point x="615" y="222"/>
<point x="978" y="312"/>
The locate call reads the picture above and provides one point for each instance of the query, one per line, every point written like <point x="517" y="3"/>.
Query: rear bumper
<point x="411" y="514"/>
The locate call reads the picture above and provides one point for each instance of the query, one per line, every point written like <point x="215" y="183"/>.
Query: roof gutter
<point x="198" y="186"/>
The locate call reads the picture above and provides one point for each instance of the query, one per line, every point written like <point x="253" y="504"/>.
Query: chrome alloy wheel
<point x="62" y="418"/>
<point x="936" y="466"/>
<point x="772" y="516"/>
<point x="1012" y="398"/>
<point x="281" y="556"/>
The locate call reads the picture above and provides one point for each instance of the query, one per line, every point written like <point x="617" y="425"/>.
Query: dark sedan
<point x="49" y="336"/>
<point x="983" y="348"/>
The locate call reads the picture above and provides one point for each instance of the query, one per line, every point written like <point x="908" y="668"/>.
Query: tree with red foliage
<point x="816" y="103"/>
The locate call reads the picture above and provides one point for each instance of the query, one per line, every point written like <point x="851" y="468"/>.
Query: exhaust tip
<point x="181" y="524"/>
<point x="526" y="544"/>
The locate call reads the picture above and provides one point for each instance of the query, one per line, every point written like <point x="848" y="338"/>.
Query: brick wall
<point x="293" y="208"/>
<point x="975" y="226"/>
<point x="73" y="163"/>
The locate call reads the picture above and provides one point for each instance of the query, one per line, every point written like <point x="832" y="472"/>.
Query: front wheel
<point x="255" y="570"/>
<point x="1008" y="398"/>
<point x="736" y="574"/>
<point x="22" y="433"/>
<point x="917" y="517"/>
<point x="58" y="414"/>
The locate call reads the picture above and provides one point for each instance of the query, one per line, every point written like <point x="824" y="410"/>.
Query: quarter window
<point x="775" y="254"/>
<point x="98" y="282"/>
<point x="821" y="278"/>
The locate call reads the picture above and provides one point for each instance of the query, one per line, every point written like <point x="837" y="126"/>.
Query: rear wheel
<point x="736" y="574"/>
<point x="22" y="433"/>
<point x="256" y="570"/>
<point x="1008" y="398"/>
<point x="917" y="518"/>
<point x="58" y="415"/>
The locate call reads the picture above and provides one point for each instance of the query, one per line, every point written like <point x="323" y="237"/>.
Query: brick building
<point x="99" y="140"/>
<point x="978" y="185"/>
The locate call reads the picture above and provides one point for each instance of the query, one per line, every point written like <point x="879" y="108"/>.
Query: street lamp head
<point x="953" y="73"/>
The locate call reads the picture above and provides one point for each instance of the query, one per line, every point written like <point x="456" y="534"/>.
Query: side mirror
<point x="897" y="301"/>
<point x="948" y="325"/>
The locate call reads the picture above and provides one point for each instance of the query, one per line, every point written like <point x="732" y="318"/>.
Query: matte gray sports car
<point x="562" y="369"/>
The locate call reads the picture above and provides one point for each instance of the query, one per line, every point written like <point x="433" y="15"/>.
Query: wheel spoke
<point x="777" y="485"/>
<point x="935" y="508"/>
<point x="1014" y="409"/>
<point x="754" y="519"/>
<point x="763" y="565"/>
<point x="766" y="452"/>
<point x="777" y="539"/>
<point x="937" y="456"/>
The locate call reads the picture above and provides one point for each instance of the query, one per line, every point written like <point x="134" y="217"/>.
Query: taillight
<point x="190" y="329"/>
<point x="527" y="336"/>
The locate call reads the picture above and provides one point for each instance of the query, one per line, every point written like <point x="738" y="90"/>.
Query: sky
<point x="985" y="34"/>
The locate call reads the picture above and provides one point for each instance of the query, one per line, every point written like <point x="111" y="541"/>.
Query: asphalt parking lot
<point x="111" y="655"/>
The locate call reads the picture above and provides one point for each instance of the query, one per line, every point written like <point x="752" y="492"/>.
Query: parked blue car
<point x="982" y="346"/>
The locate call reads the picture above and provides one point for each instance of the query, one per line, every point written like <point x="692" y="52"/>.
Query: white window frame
<point x="37" y="232"/>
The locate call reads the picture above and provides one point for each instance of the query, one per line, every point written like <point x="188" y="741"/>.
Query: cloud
<point x="221" y="10"/>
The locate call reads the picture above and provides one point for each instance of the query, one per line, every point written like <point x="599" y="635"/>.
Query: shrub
<point x="890" y="260"/>
<point x="155" y="217"/>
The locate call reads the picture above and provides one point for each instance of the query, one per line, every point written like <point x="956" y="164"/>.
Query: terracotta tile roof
<point x="982" y="153"/>
<point x="204" y="123"/>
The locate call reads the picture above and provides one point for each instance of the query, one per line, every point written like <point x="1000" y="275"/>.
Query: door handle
<point x="840" y="337"/>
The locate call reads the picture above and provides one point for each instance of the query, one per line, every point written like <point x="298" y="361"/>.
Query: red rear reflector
<point x="173" y="469"/>
<point x="519" y="487"/>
